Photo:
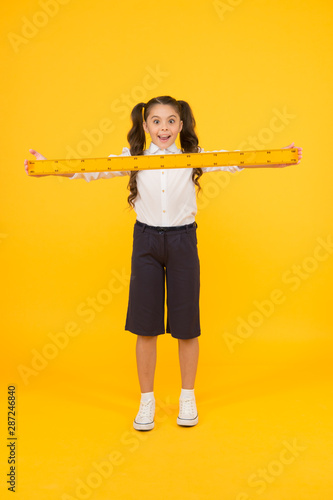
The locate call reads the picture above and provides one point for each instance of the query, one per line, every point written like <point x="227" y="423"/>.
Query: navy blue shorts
<point x="165" y="264"/>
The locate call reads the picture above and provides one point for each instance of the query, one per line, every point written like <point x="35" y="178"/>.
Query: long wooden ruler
<point x="150" y="162"/>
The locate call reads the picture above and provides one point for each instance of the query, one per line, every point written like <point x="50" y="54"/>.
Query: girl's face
<point x="163" y="125"/>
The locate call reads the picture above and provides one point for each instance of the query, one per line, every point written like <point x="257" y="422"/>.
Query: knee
<point x="188" y="344"/>
<point x="194" y="340"/>
<point x="147" y="338"/>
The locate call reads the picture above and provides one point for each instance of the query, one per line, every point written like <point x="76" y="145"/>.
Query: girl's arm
<point x="38" y="156"/>
<point x="231" y="169"/>
<point x="88" y="176"/>
<point x="279" y="166"/>
<point x="235" y="168"/>
<point x="93" y="176"/>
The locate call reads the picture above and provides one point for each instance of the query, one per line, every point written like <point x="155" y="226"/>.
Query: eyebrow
<point x="155" y="116"/>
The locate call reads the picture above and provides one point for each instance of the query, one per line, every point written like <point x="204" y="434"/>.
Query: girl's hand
<point x="38" y="156"/>
<point x="291" y="146"/>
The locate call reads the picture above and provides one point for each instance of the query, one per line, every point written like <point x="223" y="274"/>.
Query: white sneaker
<point x="188" y="413"/>
<point x="144" y="421"/>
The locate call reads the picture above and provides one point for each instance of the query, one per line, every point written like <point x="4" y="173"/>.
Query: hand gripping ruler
<point x="149" y="162"/>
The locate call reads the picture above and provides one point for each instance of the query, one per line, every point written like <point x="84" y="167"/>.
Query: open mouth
<point x="164" y="138"/>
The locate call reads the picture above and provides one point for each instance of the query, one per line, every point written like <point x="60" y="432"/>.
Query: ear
<point x="181" y="126"/>
<point x="145" y="128"/>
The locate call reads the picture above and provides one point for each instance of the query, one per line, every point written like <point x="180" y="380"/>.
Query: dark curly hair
<point x="137" y="138"/>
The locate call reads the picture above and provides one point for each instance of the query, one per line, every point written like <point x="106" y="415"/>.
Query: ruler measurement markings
<point x="146" y="162"/>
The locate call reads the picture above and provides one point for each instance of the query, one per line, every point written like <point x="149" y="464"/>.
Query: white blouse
<point x="165" y="197"/>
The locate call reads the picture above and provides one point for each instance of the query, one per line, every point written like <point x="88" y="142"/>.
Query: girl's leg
<point x="188" y="360"/>
<point x="146" y="361"/>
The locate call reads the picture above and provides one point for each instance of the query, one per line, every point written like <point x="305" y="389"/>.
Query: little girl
<point x="164" y="248"/>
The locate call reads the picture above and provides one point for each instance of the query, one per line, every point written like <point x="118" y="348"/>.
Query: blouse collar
<point x="153" y="149"/>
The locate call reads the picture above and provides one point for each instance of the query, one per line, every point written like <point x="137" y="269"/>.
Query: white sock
<point x="145" y="396"/>
<point x="187" y="393"/>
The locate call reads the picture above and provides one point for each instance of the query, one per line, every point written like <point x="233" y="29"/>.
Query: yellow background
<point x="258" y="75"/>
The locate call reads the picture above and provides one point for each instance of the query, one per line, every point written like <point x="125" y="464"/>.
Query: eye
<point x="155" y="121"/>
<point x="172" y="120"/>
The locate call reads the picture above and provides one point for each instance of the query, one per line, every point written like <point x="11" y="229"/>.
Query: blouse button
<point x="164" y="211"/>
<point x="162" y="190"/>
<point x="162" y="172"/>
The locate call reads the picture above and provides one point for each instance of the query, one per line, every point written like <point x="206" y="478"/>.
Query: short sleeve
<point x="232" y="169"/>
<point x="94" y="176"/>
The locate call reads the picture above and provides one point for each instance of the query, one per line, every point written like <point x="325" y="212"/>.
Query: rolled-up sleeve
<point x="232" y="169"/>
<point x="94" y="176"/>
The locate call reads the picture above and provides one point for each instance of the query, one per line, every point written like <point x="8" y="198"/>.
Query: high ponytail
<point x="188" y="138"/>
<point x="136" y="136"/>
<point x="137" y="139"/>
